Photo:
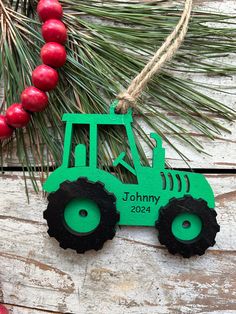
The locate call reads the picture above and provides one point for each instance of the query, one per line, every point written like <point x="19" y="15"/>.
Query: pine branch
<point x="109" y="43"/>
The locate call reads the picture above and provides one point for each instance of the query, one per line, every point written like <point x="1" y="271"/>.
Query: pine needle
<point x="109" y="43"/>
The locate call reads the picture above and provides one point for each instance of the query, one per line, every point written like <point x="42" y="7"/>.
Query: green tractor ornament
<point x="87" y="203"/>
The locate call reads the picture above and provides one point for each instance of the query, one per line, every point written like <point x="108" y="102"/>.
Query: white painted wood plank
<point x="132" y="274"/>
<point x="23" y="310"/>
<point x="29" y="282"/>
<point x="130" y="278"/>
<point x="225" y="6"/>
<point x="15" y="210"/>
<point x="222" y="151"/>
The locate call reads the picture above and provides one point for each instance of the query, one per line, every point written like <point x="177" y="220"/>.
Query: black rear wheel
<point x="187" y="226"/>
<point x="81" y="215"/>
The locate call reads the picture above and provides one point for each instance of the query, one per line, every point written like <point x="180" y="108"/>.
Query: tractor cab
<point x="93" y="122"/>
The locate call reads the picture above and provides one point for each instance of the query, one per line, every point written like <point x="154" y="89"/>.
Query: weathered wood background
<point x="133" y="273"/>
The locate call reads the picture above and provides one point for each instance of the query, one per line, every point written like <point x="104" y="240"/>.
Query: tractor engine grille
<point x="175" y="182"/>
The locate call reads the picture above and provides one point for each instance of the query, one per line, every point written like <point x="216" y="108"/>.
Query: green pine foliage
<point x="109" y="43"/>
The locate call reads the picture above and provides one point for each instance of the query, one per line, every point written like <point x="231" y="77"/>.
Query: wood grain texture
<point x="16" y="309"/>
<point x="13" y="309"/>
<point x="132" y="274"/>
<point x="221" y="152"/>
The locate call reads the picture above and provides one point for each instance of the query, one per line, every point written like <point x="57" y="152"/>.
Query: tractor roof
<point x="105" y="119"/>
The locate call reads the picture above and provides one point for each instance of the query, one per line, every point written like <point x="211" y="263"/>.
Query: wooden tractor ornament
<point x="87" y="203"/>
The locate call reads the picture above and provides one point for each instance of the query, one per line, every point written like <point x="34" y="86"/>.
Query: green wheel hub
<point x="186" y="226"/>
<point x="82" y="215"/>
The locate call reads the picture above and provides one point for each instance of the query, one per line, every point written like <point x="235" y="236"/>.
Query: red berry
<point x="53" y="54"/>
<point x="45" y="78"/>
<point x="33" y="99"/>
<point x="16" y="116"/>
<point x="49" y="9"/>
<point x="5" y="132"/>
<point x="3" y="309"/>
<point x="54" y="31"/>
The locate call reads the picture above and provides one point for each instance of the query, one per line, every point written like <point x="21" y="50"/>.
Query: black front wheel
<point x="187" y="226"/>
<point x="81" y="215"/>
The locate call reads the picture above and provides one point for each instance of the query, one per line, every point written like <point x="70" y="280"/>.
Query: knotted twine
<point x="164" y="54"/>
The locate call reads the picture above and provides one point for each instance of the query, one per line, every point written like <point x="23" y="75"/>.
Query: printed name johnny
<point x="141" y="198"/>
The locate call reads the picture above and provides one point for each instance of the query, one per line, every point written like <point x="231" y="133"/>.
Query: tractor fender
<point x="60" y="175"/>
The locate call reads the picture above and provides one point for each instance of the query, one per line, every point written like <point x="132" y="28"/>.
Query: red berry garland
<point x="49" y="9"/>
<point x="53" y="54"/>
<point x="3" y="309"/>
<point x="54" y="30"/>
<point x="16" y="116"/>
<point x="5" y="130"/>
<point x="44" y="77"/>
<point x="33" y="99"/>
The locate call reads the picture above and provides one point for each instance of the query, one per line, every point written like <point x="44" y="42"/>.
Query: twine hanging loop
<point x="164" y="54"/>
